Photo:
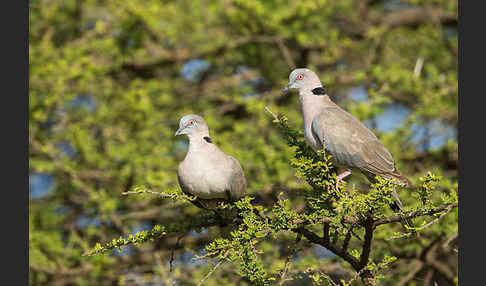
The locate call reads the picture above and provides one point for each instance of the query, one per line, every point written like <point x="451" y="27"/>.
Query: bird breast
<point x="206" y="177"/>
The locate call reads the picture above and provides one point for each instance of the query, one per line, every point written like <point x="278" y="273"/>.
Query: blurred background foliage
<point x="109" y="81"/>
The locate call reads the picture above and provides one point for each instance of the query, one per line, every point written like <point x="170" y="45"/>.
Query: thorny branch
<point x="358" y="264"/>
<point x="369" y="223"/>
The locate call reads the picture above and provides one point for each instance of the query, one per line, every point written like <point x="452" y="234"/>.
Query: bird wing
<point x="350" y="142"/>
<point x="237" y="181"/>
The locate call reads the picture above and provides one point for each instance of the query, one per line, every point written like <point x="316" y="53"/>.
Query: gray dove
<point x="350" y="142"/>
<point x="207" y="172"/>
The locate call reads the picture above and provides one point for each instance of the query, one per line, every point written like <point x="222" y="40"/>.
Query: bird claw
<point x="340" y="177"/>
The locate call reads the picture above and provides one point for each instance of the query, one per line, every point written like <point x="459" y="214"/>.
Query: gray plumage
<point x="207" y="172"/>
<point x="350" y="142"/>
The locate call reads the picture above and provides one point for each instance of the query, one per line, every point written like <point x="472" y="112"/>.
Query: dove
<point x="207" y="172"/>
<point x="348" y="140"/>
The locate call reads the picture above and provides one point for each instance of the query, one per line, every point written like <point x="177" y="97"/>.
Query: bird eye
<point x="300" y="76"/>
<point x="191" y="122"/>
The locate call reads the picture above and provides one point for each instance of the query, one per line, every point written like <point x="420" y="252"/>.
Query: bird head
<point x="302" y="78"/>
<point x="192" y="124"/>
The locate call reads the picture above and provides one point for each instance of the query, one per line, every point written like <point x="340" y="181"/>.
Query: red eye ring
<point x="191" y="122"/>
<point x="300" y="76"/>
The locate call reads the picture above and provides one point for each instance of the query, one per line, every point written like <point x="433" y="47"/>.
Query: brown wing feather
<point x="351" y="143"/>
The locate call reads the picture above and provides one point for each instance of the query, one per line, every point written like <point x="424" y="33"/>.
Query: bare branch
<point x="173" y="251"/>
<point x="411" y="273"/>
<point x="285" y="52"/>
<point x="450" y="239"/>
<point x="214" y="268"/>
<point x="273" y="114"/>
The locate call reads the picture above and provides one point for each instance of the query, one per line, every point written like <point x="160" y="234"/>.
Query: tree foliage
<point x="109" y="81"/>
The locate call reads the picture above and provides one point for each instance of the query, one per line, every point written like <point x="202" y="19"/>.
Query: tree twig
<point x="285" y="52"/>
<point x="414" y="214"/>
<point x="288" y="260"/>
<point x="273" y="114"/>
<point x="449" y="240"/>
<point x="173" y="251"/>
<point x="149" y="192"/>
<point x="214" y="268"/>
<point x="448" y="209"/>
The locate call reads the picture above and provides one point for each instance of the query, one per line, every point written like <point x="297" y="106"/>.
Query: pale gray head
<point x="192" y="125"/>
<point x="303" y="79"/>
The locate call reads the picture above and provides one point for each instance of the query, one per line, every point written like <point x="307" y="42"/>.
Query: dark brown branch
<point x="312" y="237"/>
<point x="325" y="230"/>
<point x="335" y="236"/>
<point x="368" y="278"/>
<point x="172" y="253"/>
<point x="365" y="254"/>
<point x="347" y="238"/>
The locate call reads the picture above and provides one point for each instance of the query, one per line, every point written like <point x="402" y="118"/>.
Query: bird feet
<point x="342" y="176"/>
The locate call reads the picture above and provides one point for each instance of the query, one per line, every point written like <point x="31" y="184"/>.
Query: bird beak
<point x="178" y="132"/>
<point x="288" y="87"/>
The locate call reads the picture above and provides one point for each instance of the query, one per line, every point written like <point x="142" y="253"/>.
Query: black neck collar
<point x="207" y="139"/>
<point x="319" y="91"/>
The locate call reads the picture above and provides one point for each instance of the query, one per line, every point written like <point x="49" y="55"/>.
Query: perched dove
<point x="207" y="172"/>
<point x="350" y="142"/>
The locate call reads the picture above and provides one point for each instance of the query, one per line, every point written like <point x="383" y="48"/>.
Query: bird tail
<point x="401" y="178"/>
<point x="397" y="206"/>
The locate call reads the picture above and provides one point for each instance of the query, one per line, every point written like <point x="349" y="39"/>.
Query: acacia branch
<point x="414" y="214"/>
<point x="423" y="227"/>
<point x="312" y="237"/>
